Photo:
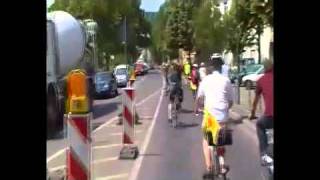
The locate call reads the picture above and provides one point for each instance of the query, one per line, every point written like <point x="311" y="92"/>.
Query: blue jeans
<point x="263" y="123"/>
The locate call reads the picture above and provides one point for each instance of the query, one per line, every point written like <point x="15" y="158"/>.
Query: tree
<point x="210" y="36"/>
<point x="240" y="28"/>
<point x="109" y="15"/>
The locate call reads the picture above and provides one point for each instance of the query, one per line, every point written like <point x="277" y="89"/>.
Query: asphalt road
<point x="171" y="154"/>
<point x="106" y="109"/>
<point x="177" y="153"/>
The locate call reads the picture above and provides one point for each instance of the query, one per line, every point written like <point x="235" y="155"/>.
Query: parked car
<point x="105" y="85"/>
<point x="254" y="72"/>
<point x="121" y="73"/>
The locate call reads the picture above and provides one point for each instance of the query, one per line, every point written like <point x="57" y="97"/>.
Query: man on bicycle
<point x="165" y="69"/>
<point x="175" y="88"/>
<point x="265" y="88"/>
<point x="217" y="92"/>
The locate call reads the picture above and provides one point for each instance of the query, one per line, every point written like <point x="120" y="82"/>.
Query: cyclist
<point x="195" y="78"/>
<point x="186" y="68"/>
<point x="218" y="99"/>
<point x="175" y="88"/>
<point x="202" y="71"/>
<point x="165" y="69"/>
<point x="265" y="88"/>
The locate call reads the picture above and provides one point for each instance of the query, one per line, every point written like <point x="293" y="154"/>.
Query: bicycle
<point x="174" y="111"/>
<point x="269" y="164"/>
<point x="217" y="152"/>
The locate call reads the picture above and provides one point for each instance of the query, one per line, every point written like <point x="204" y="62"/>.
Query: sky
<point x="151" y="5"/>
<point x="49" y="2"/>
<point x="147" y="5"/>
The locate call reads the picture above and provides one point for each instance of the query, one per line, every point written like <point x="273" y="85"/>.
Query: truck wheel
<point x="52" y="114"/>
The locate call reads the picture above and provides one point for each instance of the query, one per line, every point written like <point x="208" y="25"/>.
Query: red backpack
<point x="194" y="77"/>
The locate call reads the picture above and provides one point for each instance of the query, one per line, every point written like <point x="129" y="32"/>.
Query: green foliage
<point x="109" y="15"/>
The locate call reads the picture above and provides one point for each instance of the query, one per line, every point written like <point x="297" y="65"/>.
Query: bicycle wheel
<point x="175" y="119"/>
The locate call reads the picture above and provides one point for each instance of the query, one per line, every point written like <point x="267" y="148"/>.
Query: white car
<point x="121" y="72"/>
<point x="250" y="80"/>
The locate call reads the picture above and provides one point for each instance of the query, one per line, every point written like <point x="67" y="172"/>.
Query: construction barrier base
<point x="129" y="152"/>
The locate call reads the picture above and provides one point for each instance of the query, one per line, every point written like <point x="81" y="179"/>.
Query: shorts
<point x="174" y="92"/>
<point x="210" y="126"/>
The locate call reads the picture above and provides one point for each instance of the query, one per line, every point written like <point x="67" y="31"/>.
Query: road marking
<point x="57" y="168"/>
<point x="118" y="176"/>
<point x="106" y="124"/>
<point x="106" y="160"/>
<point x="137" y="164"/>
<point x="56" y="154"/>
<point x="119" y="134"/>
<point x="147" y="98"/>
<point x="106" y="146"/>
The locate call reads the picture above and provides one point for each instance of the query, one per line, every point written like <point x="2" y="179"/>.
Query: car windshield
<point x="103" y="77"/>
<point x="121" y="71"/>
<point x="253" y="68"/>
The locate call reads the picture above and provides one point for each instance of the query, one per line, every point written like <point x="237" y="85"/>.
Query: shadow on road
<point x="153" y="72"/>
<point x="150" y="154"/>
<point x="182" y="125"/>
<point x="186" y="111"/>
<point x="103" y="109"/>
<point x="107" y="97"/>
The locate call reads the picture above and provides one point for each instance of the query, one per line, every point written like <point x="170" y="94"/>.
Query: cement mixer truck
<point x="66" y="46"/>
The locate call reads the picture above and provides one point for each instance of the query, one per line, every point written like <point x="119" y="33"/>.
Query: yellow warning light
<point x="77" y="101"/>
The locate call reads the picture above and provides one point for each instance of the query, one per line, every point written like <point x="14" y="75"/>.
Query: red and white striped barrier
<point x="128" y="115"/>
<point x="129" y="150"/>
<point x="79" y="147"/>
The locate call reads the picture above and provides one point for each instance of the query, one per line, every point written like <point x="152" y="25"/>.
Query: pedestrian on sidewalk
<point x="264" y="88"/>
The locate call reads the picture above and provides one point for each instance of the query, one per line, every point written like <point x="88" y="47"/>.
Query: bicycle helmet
<point x="215" y="60"/>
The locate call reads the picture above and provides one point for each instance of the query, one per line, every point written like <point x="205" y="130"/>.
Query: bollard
<point x="79" y="147"/>
<point x="78" y="126"/>
<point x="129" y="149"/>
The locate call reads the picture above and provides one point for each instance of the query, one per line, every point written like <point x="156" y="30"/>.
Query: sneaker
<point x="266" y="160"/>
<point x="225" y="169"/>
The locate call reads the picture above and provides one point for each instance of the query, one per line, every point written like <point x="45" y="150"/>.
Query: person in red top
<point x="264" y="88"/>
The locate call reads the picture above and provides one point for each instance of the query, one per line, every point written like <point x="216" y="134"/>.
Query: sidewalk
<point x="244" y="108"/>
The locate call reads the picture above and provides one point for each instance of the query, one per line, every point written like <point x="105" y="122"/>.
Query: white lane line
<point x="147" y="98"/>
<point x="106" y="124"/>
<point x="119" y="134"/>
<point x="56" y="168"/>
<point x="106" y="146"/>
<point x="137" y="164"/>
<point x="56" y="154"/>
<point x="106" y="160"/>
<point x="118" y="176"/>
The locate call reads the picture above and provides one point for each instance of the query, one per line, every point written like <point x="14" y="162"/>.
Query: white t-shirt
<point x="202" y="72"/>
<point x="225" y="70"/>
<point x="218" y="92"/>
